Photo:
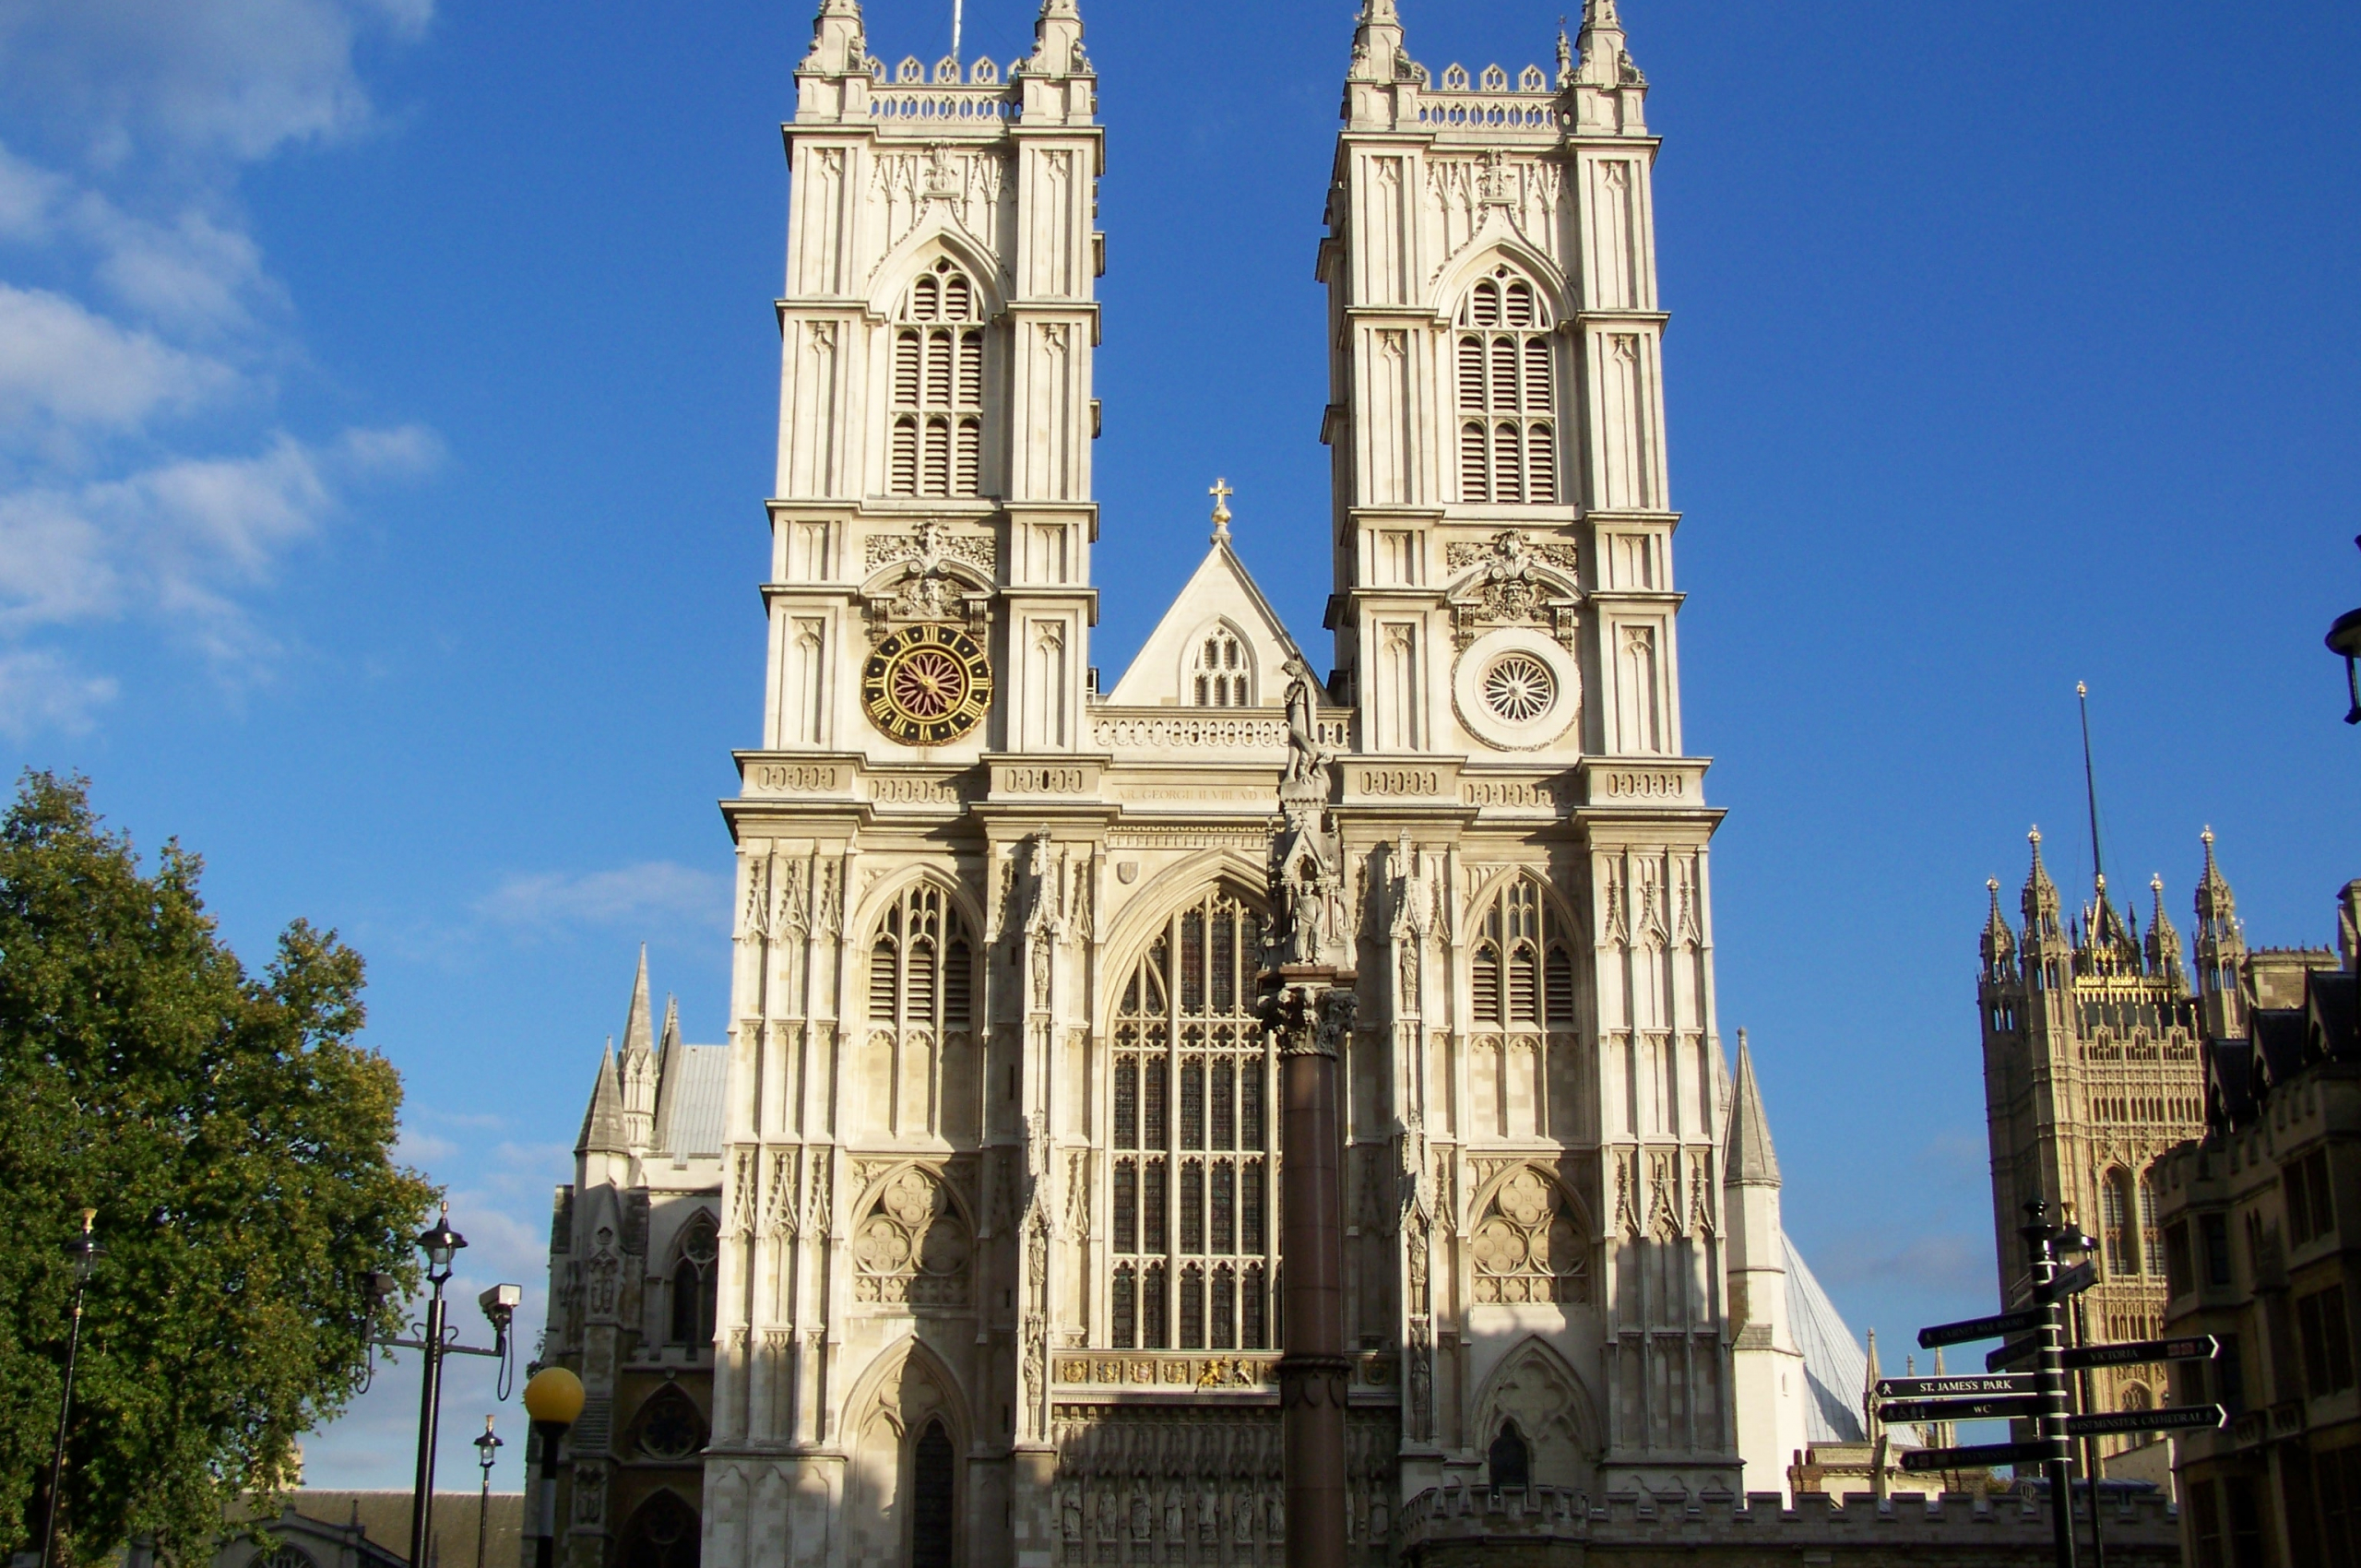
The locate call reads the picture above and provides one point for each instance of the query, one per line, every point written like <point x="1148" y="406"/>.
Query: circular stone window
<point x="1516" y="690"/>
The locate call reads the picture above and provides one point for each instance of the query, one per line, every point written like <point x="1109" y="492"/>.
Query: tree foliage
<point x="237" y="1145"/>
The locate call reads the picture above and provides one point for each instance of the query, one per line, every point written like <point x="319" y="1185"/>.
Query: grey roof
<point x="1835" y="1367"/>
<point x="694" y="1079"/>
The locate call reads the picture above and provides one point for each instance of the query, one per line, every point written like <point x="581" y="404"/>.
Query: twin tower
<point x="991" y="1239"/>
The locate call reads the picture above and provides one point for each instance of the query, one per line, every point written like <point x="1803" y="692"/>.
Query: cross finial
<point x="1221" y="492"/>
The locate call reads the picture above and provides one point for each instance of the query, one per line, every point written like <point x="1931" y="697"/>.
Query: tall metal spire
<point x="2090" y="788"/>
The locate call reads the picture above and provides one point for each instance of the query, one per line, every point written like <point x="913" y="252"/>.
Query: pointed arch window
<point x="1194" y="1238"/>
<point x="937" y="418"/>
<point x="696" y="1283"/>
<point x="1521" y="972"/>
<point x="1507" y="392"/>
<point x="1220" y="674"/>
<point x="1509" y="1459"/>
<point x="921" y="964"/>
<point x="2116" y="1222"/>
<point x="2152" y="1235"/>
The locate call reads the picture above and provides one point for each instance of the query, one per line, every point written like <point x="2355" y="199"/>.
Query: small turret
<point x="1057" y="41"/>
<point x="1377" y="45"/>
<point x="1606" y="59"/>
<point x="838" y="47"/>
<point x="602" y="1123"/>
<point x="2164" y="941"/>
<point x="2108" y="946"/>
<point x="1751" y="1160"/>
<point x="638" y="1065"/>
<point x="2221" y="951"/>
<point x="2046" y="953"/>
<point x="2000" y="945"/>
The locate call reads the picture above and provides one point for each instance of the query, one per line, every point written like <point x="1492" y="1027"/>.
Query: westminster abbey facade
<point x="988" y="1212"/>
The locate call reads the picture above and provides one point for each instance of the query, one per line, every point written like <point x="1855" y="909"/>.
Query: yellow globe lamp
<point x="554" y="1396"/>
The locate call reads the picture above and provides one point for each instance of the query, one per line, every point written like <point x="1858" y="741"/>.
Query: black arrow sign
<point x="2180" y="1418"/>
<point x="1963" y="1409"/>
<point x="2072" y="1281"/>
<point x="2015" y="1353"/>
<point x="1954" y="1387"/>
<point x="2139" y="1352"/>
<point x="1914" y="1459"/>
<point x="1975" y="1328"/>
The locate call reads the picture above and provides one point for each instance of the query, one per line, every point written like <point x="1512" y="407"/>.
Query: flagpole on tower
<point x="957" y="7"/>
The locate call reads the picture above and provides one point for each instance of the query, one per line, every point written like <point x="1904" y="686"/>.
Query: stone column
<point x="1307" y="990"/>
<point x="1313" y="1014"/>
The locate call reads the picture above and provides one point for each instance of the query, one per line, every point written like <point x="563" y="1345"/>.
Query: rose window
<point x="1519" y="688"/>
<point x="1529" y="1247"/>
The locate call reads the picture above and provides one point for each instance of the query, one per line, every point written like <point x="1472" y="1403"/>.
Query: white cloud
<point x="234" y="80"/>
<point x="185" y="538"/>
<point x="39" y="691"/>
<point x="653" y="890"/>
<point x="147" y="307"/>
<point x="63" y="365"/>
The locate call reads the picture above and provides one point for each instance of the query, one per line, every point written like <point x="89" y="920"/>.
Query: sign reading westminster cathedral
<point x="964" y="1251"/>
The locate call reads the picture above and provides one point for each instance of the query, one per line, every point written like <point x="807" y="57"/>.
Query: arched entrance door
<point x="932" y="1524"/>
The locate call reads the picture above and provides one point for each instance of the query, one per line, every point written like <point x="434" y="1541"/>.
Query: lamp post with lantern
<point x="436" y="1339"/>
<point x="86" y="1251"/>
<point x="487" y="1455"/>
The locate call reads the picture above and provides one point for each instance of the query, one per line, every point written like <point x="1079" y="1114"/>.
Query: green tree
<point x="237" y="1145"/>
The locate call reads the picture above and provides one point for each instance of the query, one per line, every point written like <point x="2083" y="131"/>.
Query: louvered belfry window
<point x="1522" y="970"/>
<point x="938" y="404"/>
<point x="1196" y="1242"/>
<point x="1507" y="393"/>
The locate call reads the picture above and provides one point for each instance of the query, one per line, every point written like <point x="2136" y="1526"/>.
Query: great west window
<point x="1194" y="1096"/>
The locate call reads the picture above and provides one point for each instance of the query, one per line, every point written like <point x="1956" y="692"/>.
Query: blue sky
<point x="386" y="398"/>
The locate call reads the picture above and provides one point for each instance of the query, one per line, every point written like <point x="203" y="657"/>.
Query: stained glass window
<point x="1194" y="1073"/>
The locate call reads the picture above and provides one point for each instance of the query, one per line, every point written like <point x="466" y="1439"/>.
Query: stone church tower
<point x="998" y="1268"/>
<point x="2092" y="1070"/>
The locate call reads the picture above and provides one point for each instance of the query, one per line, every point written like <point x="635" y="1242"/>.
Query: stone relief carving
<point x="1511" y="581"/>
<point x="914" y="1247"/>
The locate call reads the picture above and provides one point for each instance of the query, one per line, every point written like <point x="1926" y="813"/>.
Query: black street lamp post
<point x="487" y="1455"/>
<point x="2345" y="640"/>
<point x="85" y="1256"/>
<point x="436" y="1340"/>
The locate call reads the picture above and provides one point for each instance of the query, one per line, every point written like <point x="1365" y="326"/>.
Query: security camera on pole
<point x="436" y="1339"/>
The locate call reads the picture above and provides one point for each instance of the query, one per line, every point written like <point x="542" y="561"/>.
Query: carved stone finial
<point x="1221" y="492"/>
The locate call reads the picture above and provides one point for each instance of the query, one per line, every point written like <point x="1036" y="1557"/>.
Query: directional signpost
<point x="1975" y="1328"/>
<point x="1916" y="1459"/>
<point x="2015" y="1353"/>
<point x="2141" y="1352"/>
<point x="2182" y="1418"/>
<point x="2035" y="1335"/>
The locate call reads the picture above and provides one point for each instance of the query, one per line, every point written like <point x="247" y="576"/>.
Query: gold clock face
<point x="927" y="684"/>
